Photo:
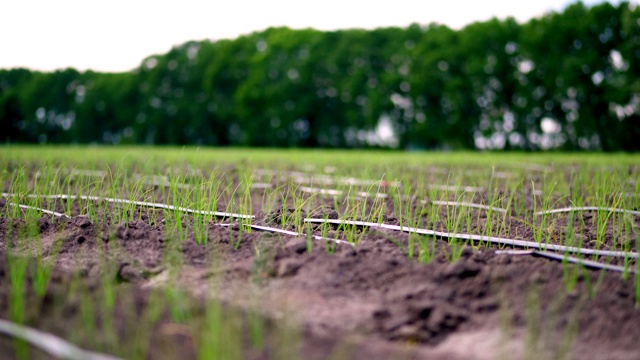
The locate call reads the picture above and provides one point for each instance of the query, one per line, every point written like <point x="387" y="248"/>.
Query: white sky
<point x="116" y="35"/>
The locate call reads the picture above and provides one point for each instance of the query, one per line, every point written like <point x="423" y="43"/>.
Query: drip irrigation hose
<point x="142" y="203"/>
<point x="40" y="209"/>
<point x="571" y="259"/>
<point x="479" y="238"/>
<point x="587" y="208"/>
<point x="467" y="204"/>
<point x="52" y="345"/>
<point x="292" y="233"/>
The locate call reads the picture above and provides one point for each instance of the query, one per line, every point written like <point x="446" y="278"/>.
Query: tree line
<point x="569" y="80"/>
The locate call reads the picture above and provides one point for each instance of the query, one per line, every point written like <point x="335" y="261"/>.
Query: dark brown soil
<point x="371" y="301"/>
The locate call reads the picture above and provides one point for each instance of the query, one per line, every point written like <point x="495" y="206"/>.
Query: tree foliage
<point x="568" y="80"/>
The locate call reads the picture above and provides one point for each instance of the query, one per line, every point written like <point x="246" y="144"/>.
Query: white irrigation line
<point x="189" y="171"/>
<point x="159" y="180"/>
<point x="467" y="204"/>
<point x="39" y="209"/>
<point x="52" y="345"/>
<point x="503" y="175"/>
<point x="368" y="194"/>
<point x="260" y="185"/>
<point x="142" y="203"/>
<point x="587" y="208"/>
<point x="480" y="238"/>
<point x="293" y="233"/>
<point x="164" y="178"/>
<point x="269" y="172"/>
<point x="164" y="183"/>
<point x="84" y="172"/>
<point x="437" y="170"/>
<point x="497" y="174"/>
<point x="334" y="192"/>
<point x="456" y="188"/>
<point x="329" y="180"/>
<point x="570" y="259"/>
<point x="74" y="172"/>
<point x="532" y="167"/>
<point x="171" y="207"/>
<point x="287" y="232"/>
<point x="323" y="179"/>
<point x="546" y="212"/>
<point x="312" y="190"/>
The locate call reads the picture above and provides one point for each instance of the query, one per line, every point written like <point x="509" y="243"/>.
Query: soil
<point x="369" y="301"/>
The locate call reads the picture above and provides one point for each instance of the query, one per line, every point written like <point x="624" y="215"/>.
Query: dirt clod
<point x="324" y="213"/>
<point x="297" y="245"/>
<point x="128" y="273"/>
<point x="81" y="221"/>
<point x="460" y="269"/>
<point x="288" y="267"/>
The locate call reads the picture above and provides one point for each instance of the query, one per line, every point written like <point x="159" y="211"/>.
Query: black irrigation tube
<point x="571" y="259"/>
<point x="479" y="238"/>
<point x="52" y="345"/>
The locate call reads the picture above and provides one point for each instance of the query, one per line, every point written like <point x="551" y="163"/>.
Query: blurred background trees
<point x="568" y="80"/>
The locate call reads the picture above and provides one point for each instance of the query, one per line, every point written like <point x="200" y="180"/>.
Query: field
<point x="263" y="254"/>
